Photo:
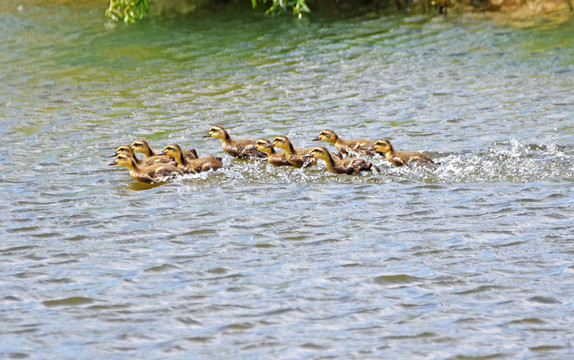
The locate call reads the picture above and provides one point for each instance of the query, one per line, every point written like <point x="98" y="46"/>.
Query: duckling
<point x="341" y="166"/>
<point x="359" y="146"/>
<point x="274" y="158"/>
<point x="193" y="166"/>
<point x="400" y="158"/>
<point x="237" y="148"/>
<point x="126" y="149"/>
<point x="292" y="154"/>
<point x="158" y="172"/>
<point x="143" y="147"/>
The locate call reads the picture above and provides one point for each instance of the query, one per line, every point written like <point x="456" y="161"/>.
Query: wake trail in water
<point x="507" y="161"/>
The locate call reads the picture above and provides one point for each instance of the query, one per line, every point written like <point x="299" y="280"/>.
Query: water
<point x="471" y="259"/>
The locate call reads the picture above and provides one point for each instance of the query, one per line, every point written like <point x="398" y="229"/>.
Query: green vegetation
<point x="280" y="6"/>
<point x="132" y="10"/>
<point x="127" y="10"/>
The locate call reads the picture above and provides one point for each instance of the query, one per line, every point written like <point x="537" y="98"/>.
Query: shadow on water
<point x="138" y="186"/>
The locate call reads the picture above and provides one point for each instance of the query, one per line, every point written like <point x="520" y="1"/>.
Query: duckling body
<point x="400" y="158"/>
<point x="126" y="149"/>
<point x="293" y="155"/>
<point x="193" y="166"/>
<point x="143" y="147"/>
<point x="242" y="149"/>
<point x="341" y="166"/>
<point x="358" y="146"/>
<point x="156" y="172"/>
<point x="275" y="158"/>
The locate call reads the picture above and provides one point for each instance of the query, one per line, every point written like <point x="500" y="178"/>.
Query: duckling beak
<point x="269" y="145"/>
<point x="161" y="153"/>
<point x="114" y="154"/>
<point x="370" y="148"/>
<point x="250" y="147"/>
<point x="317" y="139"/>
<point x="113" y="163"/>
<point x="206" y="136"/>
<point x="308" y="155"/>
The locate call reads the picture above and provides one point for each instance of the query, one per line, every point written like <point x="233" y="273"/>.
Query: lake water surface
<point x="471" y="259"/>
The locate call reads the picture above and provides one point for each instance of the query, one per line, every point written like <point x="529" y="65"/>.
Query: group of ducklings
<point x="173" y="161"/>
<point x="158" y="167"/>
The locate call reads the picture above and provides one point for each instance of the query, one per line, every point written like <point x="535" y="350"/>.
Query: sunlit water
<point x="470" y="259"/>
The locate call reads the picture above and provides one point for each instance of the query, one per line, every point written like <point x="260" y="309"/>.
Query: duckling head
<point x="218" y="132"/>
<point x="264" y="145"/>
<point x="383" y="146"/>
<point x="281" y="142"/>
<point x="124" y="149"/>
<point x="124" y="160"/>
<point x="172" y="150"/>
<point x="319" y="152"/>
<point x="328" y="136"/>
<point x="141" y="146"/>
